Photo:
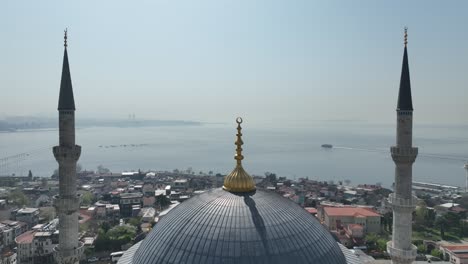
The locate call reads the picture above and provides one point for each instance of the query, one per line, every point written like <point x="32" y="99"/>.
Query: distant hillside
<point x="12" y="124"/>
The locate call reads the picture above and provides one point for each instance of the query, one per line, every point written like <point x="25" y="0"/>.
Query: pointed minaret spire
<point x="66" y="99"/>
<point x="404" y="96"/>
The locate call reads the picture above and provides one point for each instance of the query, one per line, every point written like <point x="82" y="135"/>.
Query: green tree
<point x="55" y="174"/>
<point x="463" y="201"/>
<point x="162" y="201"/>
<point x="44" y="183"/>
<point x="84" y="227"/>
<point x="47" y="213"/>
<point x="105" y="226"/>
<point x="420" y="218"/>
<point x="387" y="221"/>
<point x="463" y="228"/>
<point x="114" y="238"/>
<point x="453" y="219"/>
<point x="18" y="198"/>
<point x="371" y="240"/>
<point x="441" y="223"/>
<point x="437" y="253"/>
<point x="430" y="218"/>
<point x="381" y="244"/>
<point x="135" y="221"/>
<point x="88" y="198"/>
<point x="421" y="249"/>
<point x="271" y="177"/>
<point x="102" y="170"/>
<point x="121" y="235"/>
<point x="122" y="232"/>
<point x="89" y="251"/>
<point x="102" y="241"/>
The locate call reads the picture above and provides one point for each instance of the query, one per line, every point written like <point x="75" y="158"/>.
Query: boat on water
<point x="327" y="146"/>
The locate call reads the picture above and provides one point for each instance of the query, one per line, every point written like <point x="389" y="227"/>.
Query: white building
<point x="25" y="248"/>
<point x="7" y="235"/>
<point x="340" y="217"/>
<point x="456" y="253"/>
<point x="180" y="185"/>
<point x="28" y="215"/>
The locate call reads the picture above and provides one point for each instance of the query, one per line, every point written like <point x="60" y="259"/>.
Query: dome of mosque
<point x="223" y="227"/>
<point x="237" y="224"/>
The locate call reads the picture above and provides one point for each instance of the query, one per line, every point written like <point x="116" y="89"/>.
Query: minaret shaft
<point x="403" y="203"/>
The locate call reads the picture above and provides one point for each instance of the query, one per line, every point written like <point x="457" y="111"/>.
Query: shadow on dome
<point x="258" y="221"/>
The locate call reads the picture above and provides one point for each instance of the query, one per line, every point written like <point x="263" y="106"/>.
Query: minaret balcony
<point x="405" y="112"/>
<point x="403" y="203"/>
<point x="67" y="154"/>
<point x="402" y="255"/>
<point x="67" y="204"/>
<point x="404" y="154"/>
<point x="68" y="256"/>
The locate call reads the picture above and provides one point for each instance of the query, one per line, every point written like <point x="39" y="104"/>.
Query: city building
<point x="180" y="185"/>
<point x="238" y="224"/>
<point x="43" y="246"/>
<point x="148" y="191"/>
<point x="27" y="215"/>
<point x="8" y="257"/>
<point x="37" y="245"/>
<point x="128" y="203"/>
<point x="457" y="254"/>
<point x="25" y="248"/>
<point x="148" y="201"/>
<point x="351" y="235"/>
<point x="148" y="214"/>
<point x="403" y="203"/>
<point x="443" y="209"/>
<point x="7" y="236"/>
<point x="18" y="227"/>
<point x="104" y="210"/>
<point x="340" y="217"/>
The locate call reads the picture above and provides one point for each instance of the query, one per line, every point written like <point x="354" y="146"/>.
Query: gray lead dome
<point x="223" y="227"/>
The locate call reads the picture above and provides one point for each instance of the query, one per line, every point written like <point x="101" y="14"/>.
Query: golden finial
<point x="239" y="142"/>
<point x="239" y="180"/>
<point x="406" y="36"/>
<point x="65" y="37"/>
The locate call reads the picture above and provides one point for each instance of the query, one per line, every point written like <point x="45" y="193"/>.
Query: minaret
<point x="404" y="154"/>
<point x="466" y="179"/>
<point x="67" y="203"/>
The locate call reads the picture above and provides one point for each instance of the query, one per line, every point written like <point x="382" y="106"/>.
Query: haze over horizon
<point x="210" y="61"/>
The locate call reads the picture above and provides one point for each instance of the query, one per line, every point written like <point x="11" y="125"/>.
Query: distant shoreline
<point x="52" y="125"/>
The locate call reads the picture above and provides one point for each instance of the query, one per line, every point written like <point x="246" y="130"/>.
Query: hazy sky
<point x="269" y="61"/>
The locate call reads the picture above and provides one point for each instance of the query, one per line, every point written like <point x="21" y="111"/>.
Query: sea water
<point x="360" y="153"/>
